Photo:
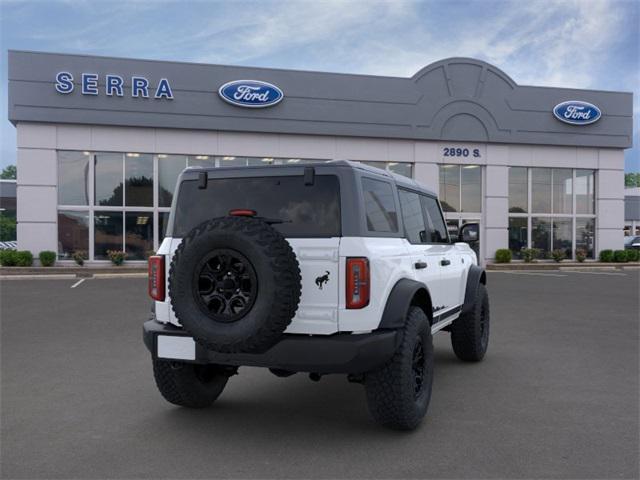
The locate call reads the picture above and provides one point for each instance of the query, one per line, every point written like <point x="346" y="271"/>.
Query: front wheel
<point x="189" y="385"/>
<point x="398" y="394"/>
<point x="470" y="332"/>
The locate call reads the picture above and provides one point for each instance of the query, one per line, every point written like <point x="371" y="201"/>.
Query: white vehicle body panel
<point x="322" y="311"/>
<point x="318" y="309"/>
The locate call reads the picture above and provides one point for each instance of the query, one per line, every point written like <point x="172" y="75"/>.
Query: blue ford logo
<point x="576" y="112"/>
<point x="250" y="93"/>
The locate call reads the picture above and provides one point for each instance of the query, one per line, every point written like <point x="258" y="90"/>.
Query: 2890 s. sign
<point x="576" y="112"/>
<point x="250" y="93"/>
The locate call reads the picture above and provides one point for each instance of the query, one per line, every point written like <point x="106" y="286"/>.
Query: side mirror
<point x="469" y="233"/>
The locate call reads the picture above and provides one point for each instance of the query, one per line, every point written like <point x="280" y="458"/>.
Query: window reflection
<point x="139" y="180"/>
<point x="471" y="191"/>
<point x="73" y="178"/>
<point x="450" y="187"/>
<point x="562" y="235"/>
<point x="562" y="190"/>
<point x="518" y="190"/>
<point x="139" y="235"/>
<point x="541" y="235"/>
<point x="585" y="191"/>
<point x="73" y="233"/>
<point x="108" y="179"/>
<point x="108" y="233"/>
<point x="517" y="235"/>
<point x="541" y="190"/>
<point x="169" y="167"/>
<point x="585" y="235"/>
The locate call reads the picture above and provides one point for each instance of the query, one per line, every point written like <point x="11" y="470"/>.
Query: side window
<point x="412" y="216"/>
<point x="379" y="205"/>
<point x="437" y="228"/>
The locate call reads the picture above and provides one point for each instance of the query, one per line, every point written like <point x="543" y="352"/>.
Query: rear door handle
<point x="444" y="262"/>
<point x="420" y="265"/>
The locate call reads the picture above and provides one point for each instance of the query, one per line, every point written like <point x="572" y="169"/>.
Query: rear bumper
<point x="339" y="353"/>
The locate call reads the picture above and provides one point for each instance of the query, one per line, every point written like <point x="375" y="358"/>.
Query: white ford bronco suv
<point x="322" y="268"/>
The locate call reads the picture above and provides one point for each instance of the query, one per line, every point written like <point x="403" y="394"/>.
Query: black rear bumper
<point x="339" y="353"/>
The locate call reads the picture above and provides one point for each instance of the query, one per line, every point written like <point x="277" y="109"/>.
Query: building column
<point x="37" y="188"/>
<point x="495" y="211"/>
<point x="610" y="200"/>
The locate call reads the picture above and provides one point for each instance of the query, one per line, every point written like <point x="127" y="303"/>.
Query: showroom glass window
<point x="461" y="196"/>
<point x="461" y="188"/>
<point x="551" y="209"/>
<point x="121" y="200"/>
<point x="73" y="178"/>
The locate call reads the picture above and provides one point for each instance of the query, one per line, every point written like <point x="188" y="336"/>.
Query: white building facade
<point x="96" y="171"/>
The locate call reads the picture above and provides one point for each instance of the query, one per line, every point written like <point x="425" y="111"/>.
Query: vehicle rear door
<point x="425" y="257"/>
<point x="444" y="253"/>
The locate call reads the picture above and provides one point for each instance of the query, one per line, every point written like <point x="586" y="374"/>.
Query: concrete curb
<point x="71" y="276"/>
<point x="562" y="266"/>
<point x="80" y="272"/>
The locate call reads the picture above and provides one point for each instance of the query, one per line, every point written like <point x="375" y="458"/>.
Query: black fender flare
<point x="400" y="300"/>
<point x="475" y="276"/>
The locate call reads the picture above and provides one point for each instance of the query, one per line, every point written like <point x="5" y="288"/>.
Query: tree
<point x="9" y="172"/>
<point x="632" y="180"/>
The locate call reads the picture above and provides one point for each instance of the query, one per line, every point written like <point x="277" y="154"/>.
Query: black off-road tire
<point x="393" y="396"/>
<point x="470" y="332"/>
<point x="276" y="273"/>
<point x="189" y="385"/>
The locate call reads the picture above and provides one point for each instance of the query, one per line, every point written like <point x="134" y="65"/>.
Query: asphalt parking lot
<point x="556" y="397"/>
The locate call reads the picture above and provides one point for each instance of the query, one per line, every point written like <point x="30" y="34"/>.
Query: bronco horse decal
<point x="321" y="280"/>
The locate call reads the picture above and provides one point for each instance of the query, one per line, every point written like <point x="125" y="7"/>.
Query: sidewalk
<point x="74" y="271"/>
<point x="545" y="265"/>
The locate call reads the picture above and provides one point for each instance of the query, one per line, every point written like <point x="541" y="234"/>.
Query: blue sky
<point x="566" y="43"/>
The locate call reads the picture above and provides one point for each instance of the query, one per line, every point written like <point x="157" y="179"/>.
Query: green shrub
<point x="606" y="256"/>
<point x="80" y="256"/>
<point x="581" y="254"/>
<point x="8" y="258"/>
<point x="503" y="255"/>
<point x="633" y="255"/>
<point x="558" y="255"/>
<point x="24" y="258"/>
<point x="117" y="257"/>
<point x="620" y="256"/>
<point x="47" y="258"/>
<point x="529" y="254"/>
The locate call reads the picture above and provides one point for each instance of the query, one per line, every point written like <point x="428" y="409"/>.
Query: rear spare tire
<point x="234" y="284"/>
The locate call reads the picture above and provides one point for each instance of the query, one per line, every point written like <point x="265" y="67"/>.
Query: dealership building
<point x="102" y="140"/>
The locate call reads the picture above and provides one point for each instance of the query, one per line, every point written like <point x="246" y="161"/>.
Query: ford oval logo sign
<point x="250" y="93"/>
<point x="576" y="112"/>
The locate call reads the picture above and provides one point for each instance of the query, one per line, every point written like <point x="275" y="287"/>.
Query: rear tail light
<point x="358" y="279"/>
<point x="156" y="277"/>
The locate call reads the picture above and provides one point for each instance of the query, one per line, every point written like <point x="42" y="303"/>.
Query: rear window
<point x="380" y="207"/>
<point x="306" y="210"/>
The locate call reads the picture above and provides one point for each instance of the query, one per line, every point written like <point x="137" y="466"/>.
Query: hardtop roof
<point x="399" y="180"/>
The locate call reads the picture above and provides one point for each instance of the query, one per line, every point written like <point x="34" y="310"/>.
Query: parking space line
<point x="78" y="283"/>
<point x="534" y="274"/>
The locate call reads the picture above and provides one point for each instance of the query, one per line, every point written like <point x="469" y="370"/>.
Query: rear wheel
<point x="470" y="332"/>
<point x="398" y="394"/>
<point x="188" y="384"/>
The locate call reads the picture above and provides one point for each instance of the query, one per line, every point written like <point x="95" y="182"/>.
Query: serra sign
<point x="113" y="85"/>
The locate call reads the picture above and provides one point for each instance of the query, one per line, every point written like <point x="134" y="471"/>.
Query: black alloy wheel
<point x="226" y="285"/>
